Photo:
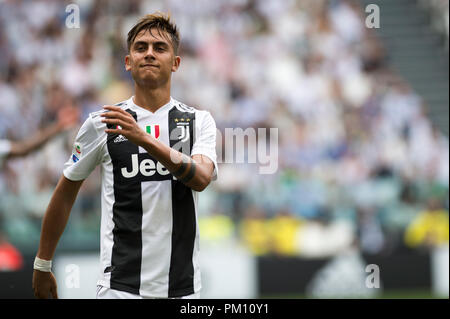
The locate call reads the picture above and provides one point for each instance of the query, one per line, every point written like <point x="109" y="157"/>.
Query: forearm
<point x="56" y="217"/>
<point x="183" y="167"/>
<point x="33" y="143"/>
<point x="194" y="172"/>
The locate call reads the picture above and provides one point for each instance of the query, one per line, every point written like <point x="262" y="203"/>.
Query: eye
<point x="140" y="47"/>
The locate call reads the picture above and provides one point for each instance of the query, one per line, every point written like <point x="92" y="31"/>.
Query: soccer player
<point x="67" y="118"/>
<point x="156" y="154"/>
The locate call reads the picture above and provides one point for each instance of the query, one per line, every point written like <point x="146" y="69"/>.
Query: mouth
<point x="149" y="66"/>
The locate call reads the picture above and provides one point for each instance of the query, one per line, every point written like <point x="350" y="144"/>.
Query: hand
<point x="44" y="284"/>
<point x="128" y="126"/>
<point x="68" y="117"/>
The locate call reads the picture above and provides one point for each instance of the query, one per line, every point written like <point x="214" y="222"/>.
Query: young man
<point x="149" y="234"/>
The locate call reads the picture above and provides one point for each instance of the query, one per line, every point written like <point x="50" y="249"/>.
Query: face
<point x="151" y="59"/>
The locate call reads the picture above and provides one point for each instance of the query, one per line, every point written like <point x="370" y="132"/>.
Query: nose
<point x="149" y="54"/>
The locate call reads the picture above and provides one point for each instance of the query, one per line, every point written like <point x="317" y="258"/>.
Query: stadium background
<point x="362" y="116"/>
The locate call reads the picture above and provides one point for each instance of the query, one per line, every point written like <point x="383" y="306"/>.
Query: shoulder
<point x="183" y="107"/>
<point x="200" y="115"/>
<point x="96" y="115"/>
<point x="95" y="120"/>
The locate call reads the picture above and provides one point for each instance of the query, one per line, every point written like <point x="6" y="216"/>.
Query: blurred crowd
<point x="439" y="10"/>
<point x="359" y="164"/>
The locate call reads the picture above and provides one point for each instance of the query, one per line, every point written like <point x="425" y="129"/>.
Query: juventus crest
<point x="183" y="128"/>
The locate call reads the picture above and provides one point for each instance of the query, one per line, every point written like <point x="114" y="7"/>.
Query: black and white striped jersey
<point x="149" y="229"/>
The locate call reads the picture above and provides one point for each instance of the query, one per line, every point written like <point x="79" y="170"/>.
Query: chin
<point x="148" y="82"/>
<point x="144" y="78"/>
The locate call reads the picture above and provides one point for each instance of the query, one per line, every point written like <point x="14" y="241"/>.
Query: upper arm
<point x="205" y="143"/>
<point x="87" y="152"/>
<point x="64" y="195"/>
<point x="69" y="187"/>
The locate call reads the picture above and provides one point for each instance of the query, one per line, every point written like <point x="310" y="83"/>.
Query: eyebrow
<point x="157" y="43"/>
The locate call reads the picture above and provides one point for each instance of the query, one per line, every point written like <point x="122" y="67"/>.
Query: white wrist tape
<point x="42" y="265"/>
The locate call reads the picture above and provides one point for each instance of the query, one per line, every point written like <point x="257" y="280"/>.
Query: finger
<point x="114" y="113"/>
<point x="112" y="107"/>
<point x="114" y="131"/>
<point x="116" y="122"/>
<point x="115" y="109"/>
<point x="119" y="117"/>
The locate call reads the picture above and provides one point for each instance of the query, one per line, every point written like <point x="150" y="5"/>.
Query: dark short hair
<point x="158" y="21"/>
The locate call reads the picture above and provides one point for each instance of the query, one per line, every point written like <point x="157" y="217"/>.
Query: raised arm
<point x="67" y="118"/>
<point x="25" y="147"/>
<point x="195" y="172"/>
<point x="53" y="225"/>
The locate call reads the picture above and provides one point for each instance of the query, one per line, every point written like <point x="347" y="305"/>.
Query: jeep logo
<point x="147" y="167"/>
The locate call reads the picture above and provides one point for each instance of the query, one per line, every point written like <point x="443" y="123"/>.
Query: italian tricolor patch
<point x="153" y="130"/>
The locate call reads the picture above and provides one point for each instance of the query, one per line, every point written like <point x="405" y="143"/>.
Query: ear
<point x="176" y="63"/>
<point x="127" y="63"/>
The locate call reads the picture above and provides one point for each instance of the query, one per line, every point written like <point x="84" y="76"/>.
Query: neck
<point x="151" y="98"/>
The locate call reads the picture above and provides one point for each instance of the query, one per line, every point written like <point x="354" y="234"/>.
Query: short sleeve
<point x="86" y="152"/>
<point x="205" y="142"/>
<point x="5" y="149"/>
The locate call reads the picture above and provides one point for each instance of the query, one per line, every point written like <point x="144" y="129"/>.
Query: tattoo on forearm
<point x="183" y="168"/>
<point x="190" y="174"/>
<point x="184" y="164"/>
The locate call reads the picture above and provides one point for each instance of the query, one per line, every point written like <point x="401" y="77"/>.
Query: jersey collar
<point x="158" y="111"/>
